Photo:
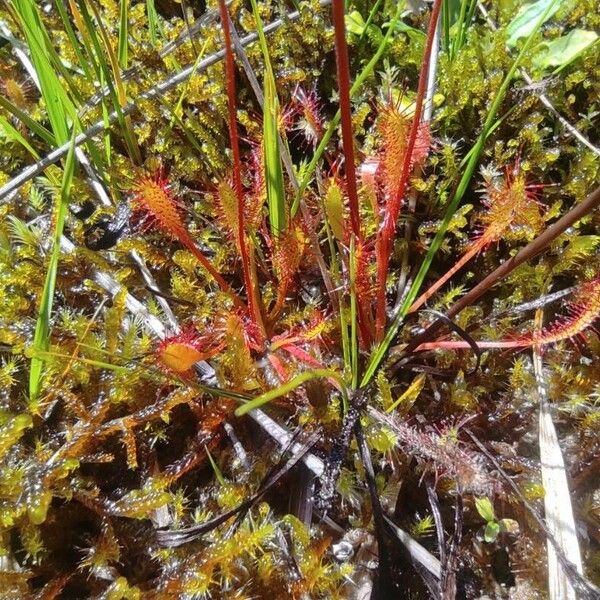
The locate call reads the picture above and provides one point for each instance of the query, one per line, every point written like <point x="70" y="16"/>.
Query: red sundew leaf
<point x="581" y="315"/>
<point x="257" y="196"/>
<point x="159" y="208"/>
<point x="153" y="198"/>
<point x="393" y="127"/>
<point x="306" y="106"/>
<point x="510" y="204"/>
<point x="179" y="353"/>
<point x="288" y="250"/>
<point x="309" y="333"/>
<point x="335" y="211"/>
<point x="277" y="364"/>
<point x="365" y="287"/>
<point x="386" y="234"/>
<point x="227" y="210"/>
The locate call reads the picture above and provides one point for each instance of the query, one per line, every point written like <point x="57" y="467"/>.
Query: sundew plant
<point x="300" y="299"/>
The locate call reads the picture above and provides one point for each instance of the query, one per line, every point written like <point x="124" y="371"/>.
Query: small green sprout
<point x="494" y="527"/>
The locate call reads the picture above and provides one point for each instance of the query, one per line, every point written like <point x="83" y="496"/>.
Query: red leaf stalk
<point x="473" y="251"/>
<point x="247" y="263"/>
<point x="510" y="204"/>
<point x="392" y="209"/>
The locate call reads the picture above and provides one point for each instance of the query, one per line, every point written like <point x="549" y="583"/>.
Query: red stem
<point x="237" y="168"/>
<point x="392" y="210"/>
<point x="343" y="72"/>
<point x="460" y="344"/>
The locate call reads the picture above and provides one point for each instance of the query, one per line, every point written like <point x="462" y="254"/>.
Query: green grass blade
<point x="58" y="105"/>
<point x="176" y="119"/>
<point x="273" y="164"/>
<point x="48" y="67"/>
<point x="465" y="20"/>
<point x="105" y="118"/>
<point x="42" y="49"/>
<point x="176" y="112"/>
<point x="460" y="25"/>
<point x="11" y="133"/>
<point x="215" y="468"/>
<point x="41" y="339"/>
<point x="85" y="40"/>
<point x="32" y="125"/>
<point x="123" y="48"/>
<point x="44" y="356"/>
<point x="381" y="350"/>
<point x="112" y="76"/>
<point x="286" y="388"/>
<point x="446" y="26"/>
<point x="335" y="270"/>
<point x="368" y="22"/>
<point x="83" y="61"/>
<point x="152" y="17"/>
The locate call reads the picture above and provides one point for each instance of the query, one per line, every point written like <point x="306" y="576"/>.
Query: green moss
<point x="116" y="446"/>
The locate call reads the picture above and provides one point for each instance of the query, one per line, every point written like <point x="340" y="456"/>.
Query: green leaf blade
<point x="41" y="339"/>
<point x="526" y="20"/>
<point x="273" y="164"/>
<point x="564" y="50"/>
<point x="123" y="48"/>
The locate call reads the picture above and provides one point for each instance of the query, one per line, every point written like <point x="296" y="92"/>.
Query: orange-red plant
<point x="178" y="353"/>
<point x="393" y="127"/>
<point x="509" y="205"/>
<point x="288" y="250"/>
<point x="154" y="199"/>
<point x="306" y="106"/>
<point x="392" y="209"/>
